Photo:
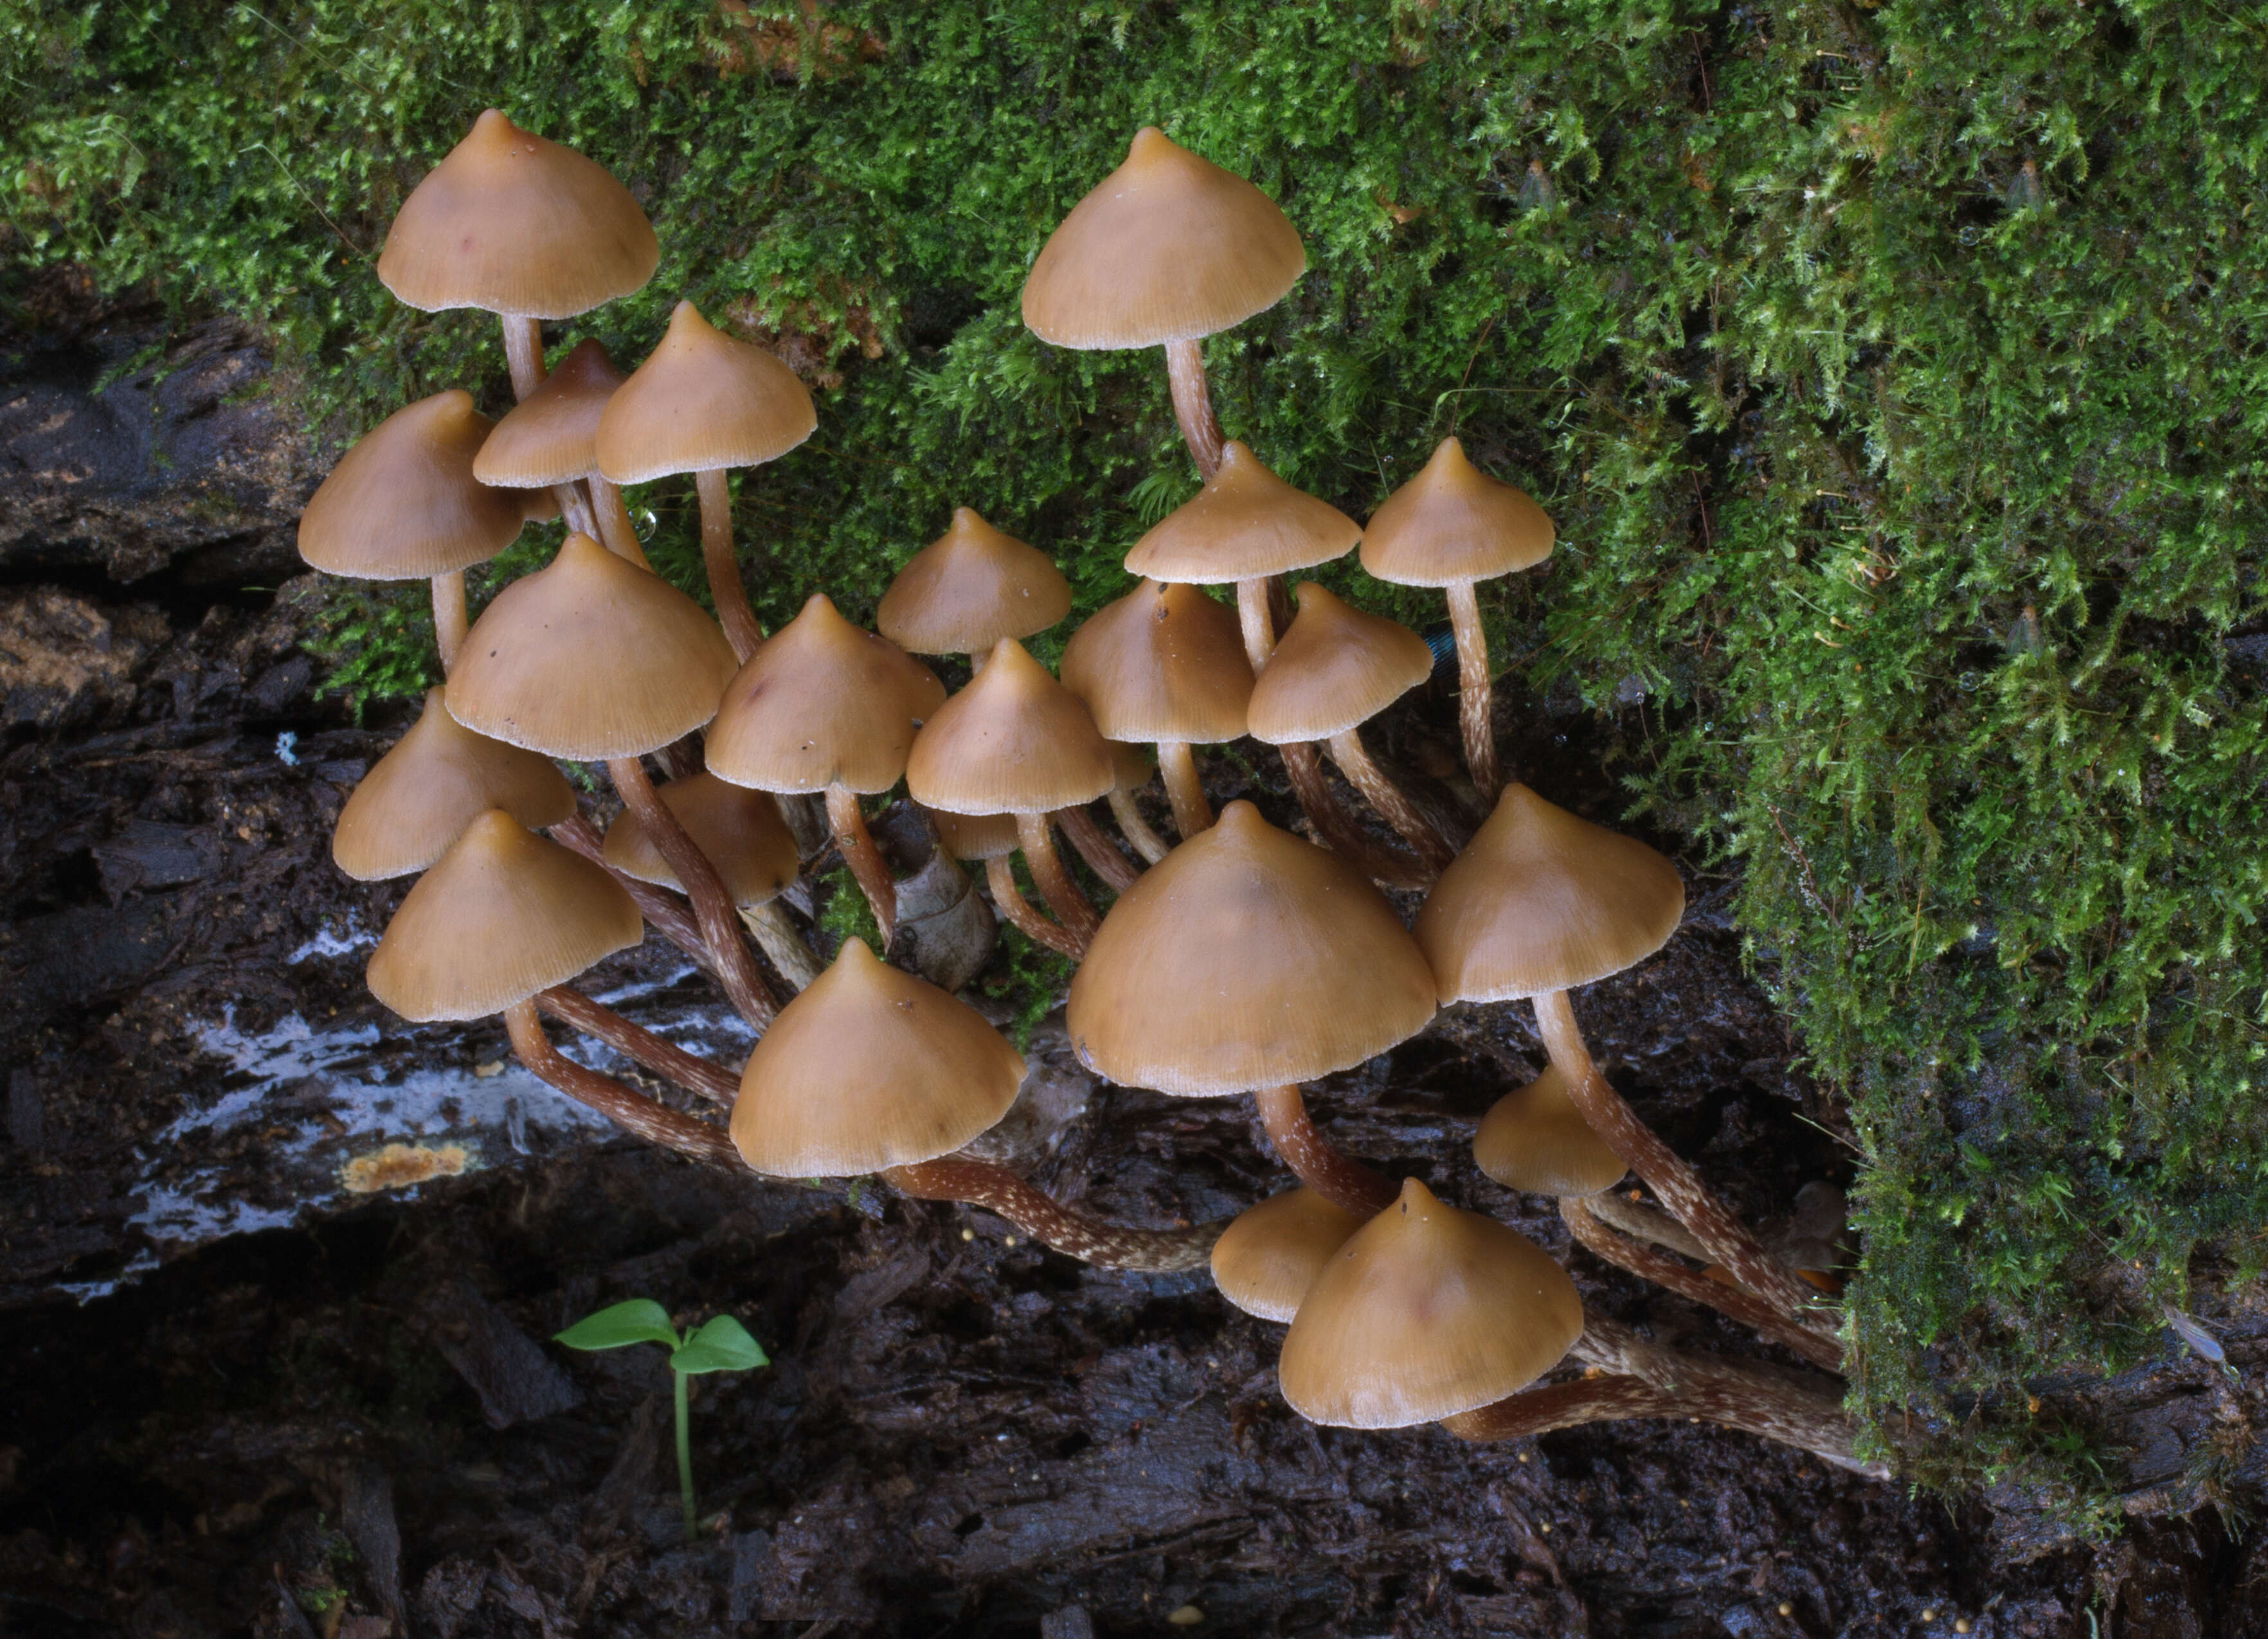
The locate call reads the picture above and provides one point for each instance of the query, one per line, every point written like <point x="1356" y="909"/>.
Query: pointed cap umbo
<point x="700" y="402"/>
<point x="1454" y="523"/>
<point x="517" y="226"/>
<point x="503" y="914"/>
<point x="976" y="836"/>
<point x="1167" y="248"/>
<point x="1542" y="900"/>
<point x="590" y="658"/>
<point x="1424" y="1313"/>
<point x="1534" y="1139"/>
<point x="1265" y="1261"/>
<point x="1014" y="741"/>
<point x="869" y="1067"/>
<point x="739" y="830"/>
<point x="403" y="504"/>
<point x="823" y="702"/>
<point x="1165" y="662"/>
<point x="1244" y="523"/>
<point x="439" y="778"/>
<point x="1337" y="666"/>
<point x="1245" y="958"/>
<point x="969" y="588"/>
<point x="551" y="436"/>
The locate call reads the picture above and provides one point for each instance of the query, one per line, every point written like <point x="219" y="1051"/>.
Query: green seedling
<point x="721" y="1345"/>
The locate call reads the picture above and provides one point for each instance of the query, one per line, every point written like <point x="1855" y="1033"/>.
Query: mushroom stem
<point x="1009" y="899"/>
<point x="1185" y="370"/>
<point x="640" y="1045"/>
<point x="783" y="941"/>
<point x="725" y="588"/>
<point x="1680" y="1188"/>
<point x="1146" y="842"/>
<point x="704" y="890"/>
<point x="523" y="351"/>
<point x="450" y="622"/>
<point x="1095" y="847"/>
<point x="868" y="867"/>
<point x="614" y="526"/>
<point x="666" y="914"/>
<point x="575" y="507"/>
<point x="1257" y="620"/>
<point x="1045" y="1219"/>
<point x="1339" y="830"/>
<point x="1318" y="1163"/>
<point x="1354" y="760"/>
<point x="1057" y="891"/>
<point x="1476" y="700"/>
<point x="976" y="661"/>
<point x="1646" y="1224"/>
<point x="649" y="1119"/>
<point x="1177" y="766"/>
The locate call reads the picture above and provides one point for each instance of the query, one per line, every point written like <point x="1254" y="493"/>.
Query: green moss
<point x="1896" y="376"/>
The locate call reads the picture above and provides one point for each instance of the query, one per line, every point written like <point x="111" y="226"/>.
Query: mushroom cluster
<point x="1239" y="960"/>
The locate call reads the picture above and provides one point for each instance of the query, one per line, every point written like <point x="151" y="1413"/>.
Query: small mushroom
<point x="549" y="442"/>
<point x="969" y="588"/>
<point x="1270" y="1254"/>
<point x="1534" y="1139"/>
<point x="437" y="780"/>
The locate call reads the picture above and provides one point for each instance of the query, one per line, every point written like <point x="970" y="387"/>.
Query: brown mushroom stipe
<point x="1450" y="526"/>
<point x="1094" y="845"/>
<point x="1008" y="898"/>
<point x="634" y="1112"/>
<point x="1426" y="1311"/>
<point x="712" y="906"/>
<point x="696" y="1075"/>
<point x="551" y="440"/>
<point x="1134" y="772"/>
<point x="1313" y="1159"/>
<point x="739" y="830"/>
<point x="1048" y="1221"/>
<point x="1270" y="1254"/>
<point x="437" y="780"/>
<point x="1534" y="1139"/>
<point x="969" y="588"/>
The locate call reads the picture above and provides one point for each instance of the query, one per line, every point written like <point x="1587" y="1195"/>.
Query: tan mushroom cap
<point x="700" y="401"/>
<point x="1244" y="523"/>
<point x="1014" y="741"/>
<point x="741" y="831"/>
<point x="439" y="778"/>
<point x="551" y="436"/>
<point x="1454" y="523"/>
<point x="1337" y="666"/>
<point x="1167" y="248"/>
<point x="590" y="658"/>
<point x="1534" y="1139"/>
<point x="1426" y="1311"/>
<point x="823" y="702"/>
<point x="1165" y="662"/>
<point x="969" y="588"/>
<point x="403" y="503"/>
<point x="517" y="226"/>
<point x="1265" y="1261"/>
<point x="976" y="836"/>
<point x="504" y="914"/>
<point x="869" y="1067"/>
<point x="1131" y="765"/>
<point x="1542" y="901"/>
<point x="1245" y="958"/>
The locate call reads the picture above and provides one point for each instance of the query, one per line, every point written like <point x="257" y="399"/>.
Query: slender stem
<point x="1354" y="760"/>
<point x="1009" y="900"/>
<point x="725" y="588"/>
<point x="575" y="507"/>
<point x="450" y="623"/>
<point x="646" y="1118"/>
<point x="712" y="906"/>
<point x="867" y="866"/>
<point x="1255" y="619"/>
<point x="523" y="351"/>
<point x="1136" y="830"/>
<point x="663" y="909"/>
<point x="1057" y="891"/>
<point x="1178" y="765"/>
<point x="1095" y="847"/>
<point x="639" y="1044"/>
<point x="1185" y="372"/>
<point x="1339" y="829"/>
<point x="976" y="661"/>
<point x="1476" y="703"/>
<point x="1644" y="1223"/>
<point x="1678" y="1185"/>
<point x="780" y="939"/>
<point x="614" y="526"/>
<point x="1318" y="1163"/>
<point x="1045" y="1219"/>
<point x="685" y="1452"/>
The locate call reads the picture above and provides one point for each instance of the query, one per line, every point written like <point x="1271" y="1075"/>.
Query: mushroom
<point x="1534" y="1139"/>
<point x="1134" y="771"/>
<point x="1168" y="249"/>
<point x="969" y="588"/>
<point x="437" y="779"/>
<point x="548" y="443"/>
<point x="742" y="833"/>
<point x="1270" y="1254"/>
<point x="1451" y="527"/>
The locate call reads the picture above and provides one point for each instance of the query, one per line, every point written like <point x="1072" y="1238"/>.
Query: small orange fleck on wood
<point x="398" y="1167"/>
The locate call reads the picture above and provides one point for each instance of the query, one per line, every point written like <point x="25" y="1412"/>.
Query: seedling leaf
<point x="723" y="1345"/>
<point x="640" y="1320"/>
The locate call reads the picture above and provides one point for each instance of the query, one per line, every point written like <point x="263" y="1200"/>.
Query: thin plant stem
<point x="1136" y="829"/>
<point x="868" y="867"/>
<point x="523" y="352"/>
<point x="1041" y="1217"/>
<point x="1094" y="846"/>
<point x="1318" y="1163"/>
<point x="1339" y="829"/>
<point x="1177" y="766"/>
<point x="725" y="588"/>
<point x="450" y="622"/>
<point x="1475" y="695"/>
<point x="783" y="941"/>
<point x="712" y="906"/>
<point x="682" y="1397"/>
<point x="640" y="1045"/>
<point x="627" y="1108"/>
<point x="1057" y="891"/>
<point x="615" y="526"/>
<point x="1008" y="898"/>
<point x="1257" y="621"/>
<point x="1395" y="808"/>
<point x="1185" y="373"/>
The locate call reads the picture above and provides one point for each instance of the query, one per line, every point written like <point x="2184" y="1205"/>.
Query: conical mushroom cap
<point x="1166" y="248"/>
<point x="1163" y="663"/>
<point x="869" y="1067"/>
<point x="741" y="831"/>
<point x="1534" y="1139"/>
<point x="1542" y="901"/>
<point x="976" y="836"/>
<point x="1245" y="958"/>
<point x="1426" y="1311"/>
<point x="1454" y="523"/>
<point x="590" y="658"/>
<point x="517" y="226"/>
<point x="1244" y="523"/>
<point x="403" y="503"/>
<point x="551" y="436"/>
<point x="1265" y="1261"/>
<point x="1337" y="666"/>
<point x="504" y="914"/>
<point x="968" y="589"/>
<point x="439" y="778"/>
<point x="701" y="400"/>
<point x="1014" y="741"/>
<point x="822" y="703"/>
